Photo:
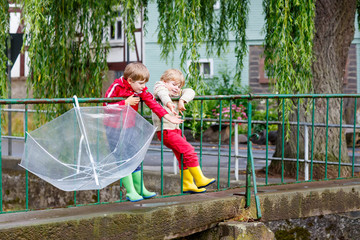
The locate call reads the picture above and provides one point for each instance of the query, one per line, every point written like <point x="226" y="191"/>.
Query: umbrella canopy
<point x="88" y="148"/>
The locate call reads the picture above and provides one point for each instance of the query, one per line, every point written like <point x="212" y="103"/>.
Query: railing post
<point x="248" y="164"/>
<point x="201" y="132"/>
<point x="257" y="200"/>
<point x="236" y="139"/>
<point x="175" y="164"/>
<point x="306" y="153"/>
<point x="26" y="171"/>
<point x="162" y="157"/>
<point x="219" y="147"/>
<point x="1" y="207"/>
<point x="9" y="66"/>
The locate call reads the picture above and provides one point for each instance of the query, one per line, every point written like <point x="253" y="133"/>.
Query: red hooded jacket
<point x="121" y="88"/>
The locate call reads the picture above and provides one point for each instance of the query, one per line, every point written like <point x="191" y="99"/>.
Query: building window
<point x="205" y="67"/>
<point x="119" y="74"/>
<point x="217" y="5"/>
<point x="116" y="32"/>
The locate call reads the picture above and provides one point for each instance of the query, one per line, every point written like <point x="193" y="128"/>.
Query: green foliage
<point x="223" y="85"/>
<point x="193" y="23"/>
<point x="261" y="116"/>
<point x="289" y="28"/>
<point x="66" y="47"/>
<point x="4" y="35"/>
<point x="218" y="85"/>
<point x="358" y="12"/>
<point x="288" y="44"/>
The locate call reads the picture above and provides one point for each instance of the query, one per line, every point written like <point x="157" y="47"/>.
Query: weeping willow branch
<point x="131" y="11"/>
<point x="66" y="47"/>
<point x="289" y="27"/>
<point x="195" y="23"/>
<point x="4" y="35"/>
<point x="358" y="12"/>
<point x="288" y="44"/>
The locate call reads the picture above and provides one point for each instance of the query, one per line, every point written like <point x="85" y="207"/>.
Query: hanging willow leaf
<point x="194" y="23"/>
<point x="131" y="11"/>
<point x="4" y="35"/>
<point x="289" y="27"/>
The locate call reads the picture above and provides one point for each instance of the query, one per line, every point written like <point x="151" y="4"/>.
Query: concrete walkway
<point x="179" y="216"/>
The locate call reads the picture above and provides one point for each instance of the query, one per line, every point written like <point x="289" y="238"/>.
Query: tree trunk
<point x="334" y="24"/>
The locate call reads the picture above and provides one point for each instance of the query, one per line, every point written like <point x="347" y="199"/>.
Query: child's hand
<point x="132" y="100"/>
<point x="171" y="106"/>
<point x="173" y="119"/>
<point x="181" y="106"/>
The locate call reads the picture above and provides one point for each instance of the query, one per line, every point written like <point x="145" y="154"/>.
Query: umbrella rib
<point x="72" y="175"/>
<point x="67" y="165"/>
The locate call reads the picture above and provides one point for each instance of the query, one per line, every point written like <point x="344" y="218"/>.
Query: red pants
<point x="179" y="145"/>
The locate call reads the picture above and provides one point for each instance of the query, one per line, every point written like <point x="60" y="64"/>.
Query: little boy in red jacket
<point x="132" y="87"/>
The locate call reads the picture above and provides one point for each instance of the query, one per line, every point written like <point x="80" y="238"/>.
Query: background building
<point x="147" y="50"/>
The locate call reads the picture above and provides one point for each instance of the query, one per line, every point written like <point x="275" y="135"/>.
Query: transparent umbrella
<point x="88" y="148"/>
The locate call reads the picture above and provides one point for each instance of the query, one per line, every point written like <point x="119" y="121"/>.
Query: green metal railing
<point x="232" y="156"/>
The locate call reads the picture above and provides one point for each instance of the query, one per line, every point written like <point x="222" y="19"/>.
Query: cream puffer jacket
<point x="161" y="92"/>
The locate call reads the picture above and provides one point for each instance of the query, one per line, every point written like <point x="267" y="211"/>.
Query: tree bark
<point x="334" y="26"/>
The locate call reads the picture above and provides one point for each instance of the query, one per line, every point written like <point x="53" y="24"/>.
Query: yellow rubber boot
<point x="188" y="183"/>
<point x="200" y="179"/>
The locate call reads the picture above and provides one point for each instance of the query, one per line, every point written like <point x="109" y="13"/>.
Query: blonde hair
<point x="137" y="72"/>
<point x="173" y="75"/>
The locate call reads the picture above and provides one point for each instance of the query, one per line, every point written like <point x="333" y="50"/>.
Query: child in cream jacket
<point x="170" y="85"/>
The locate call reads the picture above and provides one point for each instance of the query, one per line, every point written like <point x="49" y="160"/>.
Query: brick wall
<point x="350" y="82"/>
<point x="259" y="83"/>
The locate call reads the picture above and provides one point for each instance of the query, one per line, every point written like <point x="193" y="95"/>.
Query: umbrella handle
<point x="79" y="154"/>
<point x="76" y="102"/>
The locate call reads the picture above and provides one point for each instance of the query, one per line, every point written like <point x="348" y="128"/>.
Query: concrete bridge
<point x="211" y="215"/>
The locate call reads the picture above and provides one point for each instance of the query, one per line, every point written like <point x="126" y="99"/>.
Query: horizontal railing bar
<point x="12" y="137"/>
<point x="269" y="122"/>
<point x="22" y="110"/>
<point x="56" y="100"/>
<point x="275" y="96"/>
<point x="224" y="120"/>
<point x="215" y="97"/>
<point x="270" y="158"/>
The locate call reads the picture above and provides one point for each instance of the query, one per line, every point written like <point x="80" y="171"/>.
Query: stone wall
<point x="43" y="195"/>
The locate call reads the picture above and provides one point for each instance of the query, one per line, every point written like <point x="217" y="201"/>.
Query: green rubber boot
<point x="131" y="193"/>
<point x="137" y="184"/>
